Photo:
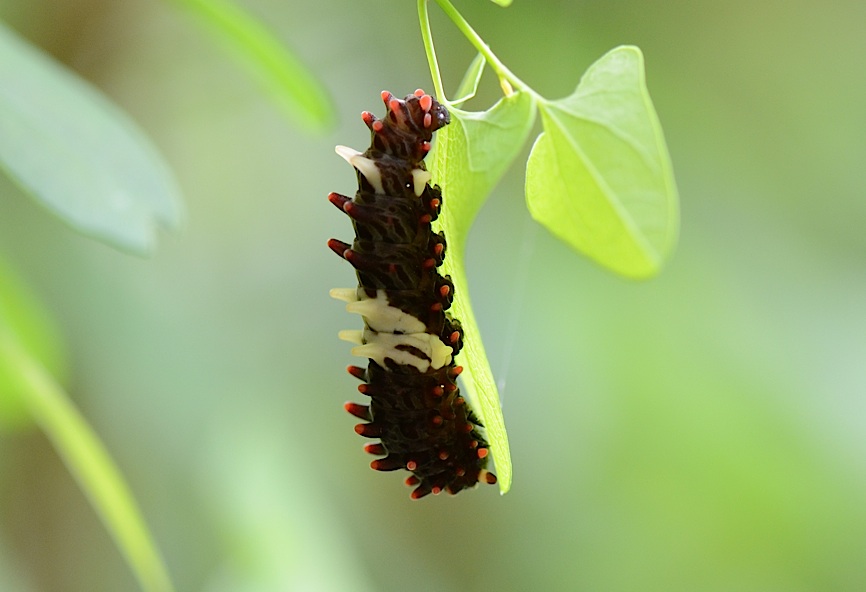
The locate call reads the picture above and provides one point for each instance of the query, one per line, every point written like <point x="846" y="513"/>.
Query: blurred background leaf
<point x="289" y="83"/>
<point x="701" y="431"/>
<point x="76" y="153"/>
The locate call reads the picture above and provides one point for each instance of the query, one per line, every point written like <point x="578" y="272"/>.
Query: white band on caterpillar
<point x="365" y="166"/>
<point x="378" y="314"/>
<point x="379" y="346"/>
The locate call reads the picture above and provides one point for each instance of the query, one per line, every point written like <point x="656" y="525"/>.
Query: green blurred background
<point x="703" y="431"/>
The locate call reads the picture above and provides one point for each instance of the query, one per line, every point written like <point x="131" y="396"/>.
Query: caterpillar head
<point x="407" y="128"/>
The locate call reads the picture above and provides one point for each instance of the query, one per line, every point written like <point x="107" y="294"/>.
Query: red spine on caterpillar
<point x="410" y="340"/>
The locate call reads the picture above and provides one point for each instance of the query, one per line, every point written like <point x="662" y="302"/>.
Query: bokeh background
<point x="703" y="431"/>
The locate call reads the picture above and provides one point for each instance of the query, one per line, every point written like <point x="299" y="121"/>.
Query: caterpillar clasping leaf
<point x="416" y="412"/>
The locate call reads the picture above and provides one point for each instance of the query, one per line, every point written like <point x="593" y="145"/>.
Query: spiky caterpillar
<point x="415" y="409"/>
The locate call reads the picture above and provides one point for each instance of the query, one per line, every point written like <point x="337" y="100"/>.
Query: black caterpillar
<point x="415" y="409"/>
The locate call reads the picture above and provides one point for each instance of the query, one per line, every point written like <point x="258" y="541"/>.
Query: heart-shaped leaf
<point x="600" y="177"/>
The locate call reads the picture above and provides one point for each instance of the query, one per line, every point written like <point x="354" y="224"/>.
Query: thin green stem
<point x="427" y="36"/>
<point x="507" y="78"/>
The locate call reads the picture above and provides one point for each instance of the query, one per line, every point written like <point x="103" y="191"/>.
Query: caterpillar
<point x="416" y="411"/>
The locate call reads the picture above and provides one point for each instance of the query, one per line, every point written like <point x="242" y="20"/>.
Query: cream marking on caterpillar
<point x="378" y="314"/>
<point x="364" y="165"/>
<point x="420" y="178"/>
<point x="389" y="328"/>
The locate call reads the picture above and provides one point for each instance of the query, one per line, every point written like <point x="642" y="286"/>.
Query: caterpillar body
<point x="416" y="411"/>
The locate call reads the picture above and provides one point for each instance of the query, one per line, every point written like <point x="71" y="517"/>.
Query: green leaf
<point x="22" y="317"/>
<point x="599" y="177"/>
<point x="293" y="88"/>
<point x="502" y="2"/>
<point x="469" y="85"/>
<point x="23" y="376"/>
<point x="471" y="155"/>
<point x="75" y="152"/>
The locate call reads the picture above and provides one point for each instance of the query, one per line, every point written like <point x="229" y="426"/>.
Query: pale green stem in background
<point x="87" y="460"/>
